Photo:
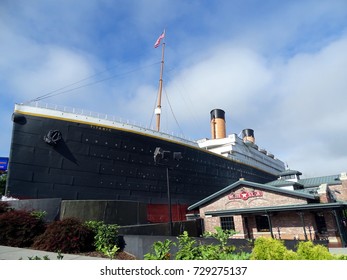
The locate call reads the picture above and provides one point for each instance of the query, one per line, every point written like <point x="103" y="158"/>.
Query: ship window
<point x="262" y="223"/>
<point x="227" y="223"/>
<point x="320" y="222"/>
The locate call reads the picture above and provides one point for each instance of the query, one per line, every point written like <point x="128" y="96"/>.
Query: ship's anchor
<point x="52" y="137"/>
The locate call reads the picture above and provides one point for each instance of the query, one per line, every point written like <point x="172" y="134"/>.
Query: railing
<point x="82" y="112"/>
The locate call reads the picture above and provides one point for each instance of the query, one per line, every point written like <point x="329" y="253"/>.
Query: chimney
<point x="322" y="193"/>
<point x="217" y="124"/>
<point x="343" y="176"/>
<point x="248" y="136"/>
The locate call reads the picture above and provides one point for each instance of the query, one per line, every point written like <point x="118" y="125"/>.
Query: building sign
<point x="3" y="163"/>
<point x="245" y="195"/>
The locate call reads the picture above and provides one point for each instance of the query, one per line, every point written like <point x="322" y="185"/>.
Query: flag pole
<point x="158" y="108"/>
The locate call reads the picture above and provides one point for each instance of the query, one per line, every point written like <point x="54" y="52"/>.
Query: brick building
<point x="288" y="208"/>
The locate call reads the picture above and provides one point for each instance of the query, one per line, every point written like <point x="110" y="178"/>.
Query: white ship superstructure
<point x="241" y="150"/>
<point x="236" y="149"/>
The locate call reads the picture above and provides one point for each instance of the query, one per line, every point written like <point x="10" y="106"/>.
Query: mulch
<point x="119" y="256"/>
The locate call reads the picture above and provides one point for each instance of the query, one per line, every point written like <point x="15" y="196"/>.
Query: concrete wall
<point x="194" y="228"/>
<point x="109" y="211"/>
<point x="50" y="205"/>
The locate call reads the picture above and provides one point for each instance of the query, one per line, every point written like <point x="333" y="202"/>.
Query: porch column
<point x="302" y="217"/>
<point x="270" y="224"/>
<point x="338" y="219"/>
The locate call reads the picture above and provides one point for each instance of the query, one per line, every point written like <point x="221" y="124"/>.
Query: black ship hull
<point x="92" y="162"/>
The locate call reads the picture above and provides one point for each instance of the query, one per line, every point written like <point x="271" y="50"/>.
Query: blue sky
<point x="278" y="67"/>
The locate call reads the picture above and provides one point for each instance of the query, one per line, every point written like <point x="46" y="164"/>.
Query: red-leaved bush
<point x="19" y="228"/>
<point x="4" y="207"/>
<point x="66" y="236"/>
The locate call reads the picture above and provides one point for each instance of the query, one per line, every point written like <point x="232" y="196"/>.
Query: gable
<point x="251" y="186"/>
<point x="249" y="197"/>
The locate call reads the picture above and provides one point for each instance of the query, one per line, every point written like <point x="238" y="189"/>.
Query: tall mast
<point x="158" y="108"/>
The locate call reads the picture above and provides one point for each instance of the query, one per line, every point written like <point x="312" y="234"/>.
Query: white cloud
<point x="30" y="69"/>
<point x="310" y="114"/>
<point x="230" y="79"/>
<point x="56" y="67"/>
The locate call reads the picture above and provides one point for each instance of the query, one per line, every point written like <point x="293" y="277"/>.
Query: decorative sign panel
<point x="245" y="195"/>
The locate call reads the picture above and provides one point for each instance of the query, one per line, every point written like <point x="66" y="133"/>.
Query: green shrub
<point x="190" y="249"/>
<point x="209" y="252"/>
<point x="264" y="249"/>
<point x="19" y="228"/>
<point x="308" y="251"/>
<point x="222" y="236"/>
<point x="160" y="251"/>
<point x="106" y="238"/>
<point x="234" y="256"/>
<point x="341" y="257"/>
<point x="273" y="249"/>
<point x="39" y="214"/>
<point x="66" y="236"/>
<point x="270" y="249"/>
<point x="187" y="248"/>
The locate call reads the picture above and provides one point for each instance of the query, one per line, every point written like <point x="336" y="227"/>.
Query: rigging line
<point x="92" y="83"/>
<point x="74" y="83"/>
<point x="89" y="84"/>
<point x="184" y="94"/>
<point x="168" y="100"/>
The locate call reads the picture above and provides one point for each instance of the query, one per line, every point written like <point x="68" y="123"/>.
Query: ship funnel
<point x="248" y="136"/>
<point x="217" y="124"/>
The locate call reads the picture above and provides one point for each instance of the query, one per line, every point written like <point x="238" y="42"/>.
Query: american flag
<point x="157" y="43"/>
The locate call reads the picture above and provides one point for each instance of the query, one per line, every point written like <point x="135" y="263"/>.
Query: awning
<point x="282" y="208"/>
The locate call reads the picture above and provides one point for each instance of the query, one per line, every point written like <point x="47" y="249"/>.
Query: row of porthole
<point x="138" y="175"/>
<point x="124" y="158"/>
<point x="143" y="176"/>
<point x="116" y="145"/>
<point x="134" y="148"/>
<point x="149" y="187"/>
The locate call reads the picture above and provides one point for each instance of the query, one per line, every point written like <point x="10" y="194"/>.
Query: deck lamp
<point x="162" y="157"/>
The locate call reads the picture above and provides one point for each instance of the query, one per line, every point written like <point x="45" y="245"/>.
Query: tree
<point x="3" y="179"/>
